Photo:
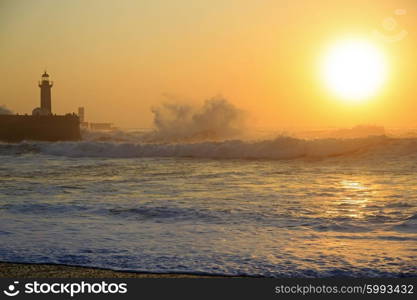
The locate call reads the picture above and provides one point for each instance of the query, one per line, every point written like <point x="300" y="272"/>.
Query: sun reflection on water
<point x="352" y="201"/>
<point x="353" y="185"/>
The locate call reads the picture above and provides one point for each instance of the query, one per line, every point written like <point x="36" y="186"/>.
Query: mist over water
<point x="217" y="129"/>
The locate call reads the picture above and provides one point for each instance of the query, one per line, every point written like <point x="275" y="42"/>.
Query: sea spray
<point x="4" y="110"/>
<point x="217" y="119"/>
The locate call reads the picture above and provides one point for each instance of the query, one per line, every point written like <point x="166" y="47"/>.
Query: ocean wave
<point x="279" y="148"/>
<point x="19" y="149"/>
<point x="43" y="208"/>
<point x="161" y="213"/>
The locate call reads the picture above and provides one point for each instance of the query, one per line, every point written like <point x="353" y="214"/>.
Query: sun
<point x="354" y="69"/>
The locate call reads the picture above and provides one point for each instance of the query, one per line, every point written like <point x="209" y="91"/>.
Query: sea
<point x="279" y="207"/>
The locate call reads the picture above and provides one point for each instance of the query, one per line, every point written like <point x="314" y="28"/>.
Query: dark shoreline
<point x="50" y="270"/>
<point x="34" y="270"/>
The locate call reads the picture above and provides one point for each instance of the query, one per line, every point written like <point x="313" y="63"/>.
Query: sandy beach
<point x="21" y="270"/>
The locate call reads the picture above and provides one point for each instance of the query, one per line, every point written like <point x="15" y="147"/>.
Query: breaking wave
<point x="279" y="148"/>
<point x="216" y="120"/>
<point x="4" y="110"/>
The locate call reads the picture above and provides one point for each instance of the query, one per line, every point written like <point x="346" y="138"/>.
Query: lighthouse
<point x="42" y="125"/>
<point x="45" y="85"/>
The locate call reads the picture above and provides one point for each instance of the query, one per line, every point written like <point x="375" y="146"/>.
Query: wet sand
<point x="21" y="270"/>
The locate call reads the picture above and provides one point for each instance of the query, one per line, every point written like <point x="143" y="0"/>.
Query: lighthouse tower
<point x="45" y="85"/>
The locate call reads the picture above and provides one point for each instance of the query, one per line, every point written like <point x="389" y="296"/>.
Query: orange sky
<point x="120" y="58"/>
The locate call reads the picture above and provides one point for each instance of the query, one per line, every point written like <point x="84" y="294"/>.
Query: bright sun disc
<point x="354" y="69"/>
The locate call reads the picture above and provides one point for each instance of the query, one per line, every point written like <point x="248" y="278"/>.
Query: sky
<point x="119" y="59"/>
